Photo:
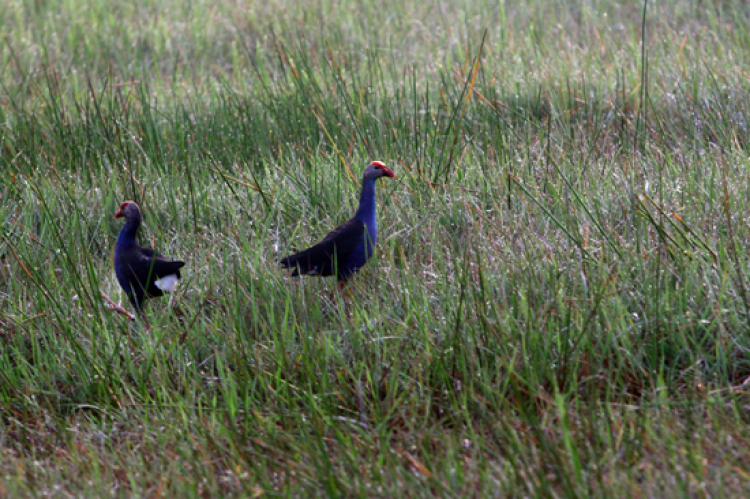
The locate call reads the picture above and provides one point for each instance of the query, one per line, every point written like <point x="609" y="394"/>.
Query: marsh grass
<point x="558" y="306"/>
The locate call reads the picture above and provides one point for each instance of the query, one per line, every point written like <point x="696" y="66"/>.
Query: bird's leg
<point x="342" y="288"/>
<point x="146" y="324"/>
<point x="116" y="307"/>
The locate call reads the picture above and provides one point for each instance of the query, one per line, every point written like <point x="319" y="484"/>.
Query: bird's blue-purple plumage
<point x="137" y="268"/>
<point x="346" y="248"/>
<point x="369" y="238"/>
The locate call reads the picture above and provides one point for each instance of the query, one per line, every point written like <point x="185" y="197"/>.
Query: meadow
<point x="558" y="305"/>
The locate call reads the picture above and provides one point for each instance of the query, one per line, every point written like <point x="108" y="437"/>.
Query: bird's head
<point x="129" y="210"/>
<point x="377" y="169"/>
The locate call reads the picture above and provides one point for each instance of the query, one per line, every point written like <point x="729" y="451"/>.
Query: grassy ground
<point x="559" y="302"/>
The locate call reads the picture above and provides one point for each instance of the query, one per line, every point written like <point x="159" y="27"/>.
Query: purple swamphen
<point x="142" y="272"/>
<point x="348" y="247"/>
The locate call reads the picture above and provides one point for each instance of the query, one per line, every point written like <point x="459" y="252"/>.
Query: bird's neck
<point x="366" y="211"/>
<point x="127" y="233"/>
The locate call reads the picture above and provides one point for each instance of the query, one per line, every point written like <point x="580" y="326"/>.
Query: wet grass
<point x="558" y="306"/>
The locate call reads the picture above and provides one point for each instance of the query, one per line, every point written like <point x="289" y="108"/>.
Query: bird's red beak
<point x="122" y="209"/>
<point x="387" y="172"/>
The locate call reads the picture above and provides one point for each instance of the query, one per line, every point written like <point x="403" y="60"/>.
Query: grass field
<point x="559" y="302"/>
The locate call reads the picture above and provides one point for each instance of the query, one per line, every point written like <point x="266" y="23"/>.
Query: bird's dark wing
<point x="319" y="259"/>
<point x="161" y="265"/>
<point x="140" y="268"/>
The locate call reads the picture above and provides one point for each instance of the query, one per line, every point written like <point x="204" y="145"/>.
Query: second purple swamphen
<point x="348" y="247"/>
<point x="142" y="272"/>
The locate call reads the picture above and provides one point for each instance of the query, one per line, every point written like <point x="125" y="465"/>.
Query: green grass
<point x="559" y="302"/>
